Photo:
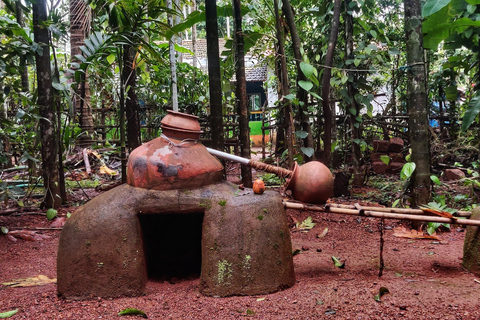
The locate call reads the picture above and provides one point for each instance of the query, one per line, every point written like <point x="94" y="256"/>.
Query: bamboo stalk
<point x="393" y="210"/>
<point x="377" y="214"/>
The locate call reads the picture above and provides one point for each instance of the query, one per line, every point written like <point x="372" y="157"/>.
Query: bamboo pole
<point x="393" y="210"/>
<point x="376" y="214"/>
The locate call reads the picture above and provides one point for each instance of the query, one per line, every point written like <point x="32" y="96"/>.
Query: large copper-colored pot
<point x="175" y="160"/>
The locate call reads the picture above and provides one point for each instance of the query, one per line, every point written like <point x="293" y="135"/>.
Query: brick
<point x="379" y="167"/>
<point x="380" y="145"/>
<point x="396" y="145"/>
<point x="454" y="174"/>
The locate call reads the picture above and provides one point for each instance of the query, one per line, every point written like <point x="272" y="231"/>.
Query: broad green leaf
<point x="407" y="170"/>
<point x="181" y="49"/>
<point x="305" y="85"/>
<point x="471" y="113"/>
<point x="301" y="134"/>
<point x="394" y="51"/>
<point x="307" y="69"/>
<point x="51" y="213"/>
<point x="385" y="159"/>
<point x="132" y="311"/>
<point x="58" y="86"/>
<point x="8" y="314"/>
<point x="111" y="58"/>
<point x="373" y="33"/>
<point x="307" y="151"/>
<point x="435" y="179"/>
<point x="4" y="230"/>
<point x="290" y="97"/>
<point x="432" y="6"/>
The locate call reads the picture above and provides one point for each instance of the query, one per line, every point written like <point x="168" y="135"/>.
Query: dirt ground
<point x="424" y="278"/>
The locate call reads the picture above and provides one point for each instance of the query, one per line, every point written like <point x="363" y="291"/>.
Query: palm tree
<point x="80" y="18"/>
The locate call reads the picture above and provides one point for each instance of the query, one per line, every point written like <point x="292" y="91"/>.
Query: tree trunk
<point x="327" y="74"/>
<point x="194" y="37"/>
<point x="131" y="103"/>
<point x="173" y="59"/>
<point x="79" y="30"/>
<point x="287" y="106"/>
<point x="23" y="60"/>
<point x="214" y="75"/>
<point x="302" y="95"/>
<point x="358" y="172"/>
<point x="45" y="102"/>
<point x="241" y="94"/>
<point x="417" y="104"/>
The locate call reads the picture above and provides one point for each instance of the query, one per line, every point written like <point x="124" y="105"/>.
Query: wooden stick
<point x="393" y="210"/>
<point x="86" y="161"/>
<point x="376" y="214"/>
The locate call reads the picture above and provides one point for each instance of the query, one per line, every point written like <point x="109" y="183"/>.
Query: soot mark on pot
<point x="168" y="171"/>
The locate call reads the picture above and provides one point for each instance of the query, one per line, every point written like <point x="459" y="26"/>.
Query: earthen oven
<point x="176" y="218"/>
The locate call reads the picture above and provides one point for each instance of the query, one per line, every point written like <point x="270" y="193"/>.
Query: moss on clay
<point x="224" y="271"/>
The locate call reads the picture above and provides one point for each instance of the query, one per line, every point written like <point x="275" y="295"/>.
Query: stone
<point x="454" y="174"/>
<point x="244" y="247"/>
<point x="395" y="145"/>
<point x="379" y="167"/>
<point x="471" y="246"/>
<point x="380" y="145"/>
<point x="377" y="156"/>
<point x="396" y="157"/>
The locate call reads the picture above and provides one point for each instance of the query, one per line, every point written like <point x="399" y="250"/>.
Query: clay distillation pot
<point x="311" y="182"/>
<point x="176" y="159"/>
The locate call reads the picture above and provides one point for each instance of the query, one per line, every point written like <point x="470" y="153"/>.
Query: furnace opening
<point x="172" y="245"/>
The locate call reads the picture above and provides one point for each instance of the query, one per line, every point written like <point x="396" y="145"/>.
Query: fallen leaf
<point x="323" y="234"/>
<point x="8" y="314"/>
<point x="28" y="235"/>
<point x="402" y="232"/>
<point x="381" y="292"/>
<point x="306" y="224"/>
<point x="58" y="222"/>
<point x="337" y="262"/>
<point x="133" y="312"/>
<point x="106" y="170"/>
<point x="440" y="213"/>
<point x="39" y="280"/>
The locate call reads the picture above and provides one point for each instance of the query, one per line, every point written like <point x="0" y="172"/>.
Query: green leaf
<point x="51" y="213"/>
<point x="301" y="134"/>
<point x="381" y="292"/>
<point x="432" y="6"/>
<point x="181" y="49"/>
<point x="132" y="311"/>
<point x="385" y="159"/>
<point x="306" y="224"/>
<point x="337" y="262"/>
<point x="307" y="69"/>
<point x="435" y="179"/>
<point x="305" y="85"/>
<point x="111" y="58"/>
<point x="407" y="170"/>
<point x="471" y="113"/>
<point x="8" y="314"/>
<point x="4" y="230"/>
<point x="307" y="151"/>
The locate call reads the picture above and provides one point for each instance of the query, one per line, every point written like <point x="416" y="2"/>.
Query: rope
<point x="185" y="143"/>
<point x="279" y="171"/>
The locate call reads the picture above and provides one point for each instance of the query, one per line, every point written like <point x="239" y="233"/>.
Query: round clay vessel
<point x="311" y="182"/>
<point x="169" y="163"/>
<point x="174" y="119"/>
